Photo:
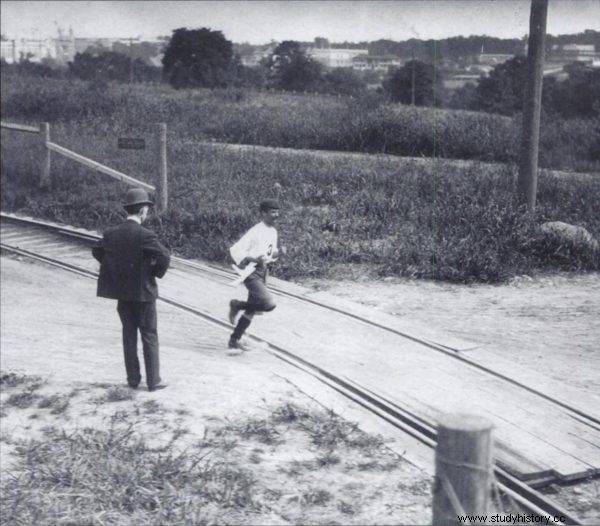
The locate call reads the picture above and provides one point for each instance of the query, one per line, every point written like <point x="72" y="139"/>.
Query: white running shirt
<point x="260" y="240"/>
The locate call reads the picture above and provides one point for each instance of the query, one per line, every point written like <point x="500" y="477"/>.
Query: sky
<point x="262" y="21"/>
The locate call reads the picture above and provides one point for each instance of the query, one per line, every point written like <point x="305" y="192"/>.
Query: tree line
<point x="204" y="58"/>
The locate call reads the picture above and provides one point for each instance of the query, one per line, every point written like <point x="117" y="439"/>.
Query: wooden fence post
<point x="162" y="191"/>
<point x="463" y="468"/>
<point x="44" y="180"/>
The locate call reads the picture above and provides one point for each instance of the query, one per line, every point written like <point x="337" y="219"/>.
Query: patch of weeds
<point x="151" y="407"/>
<point x="227" y="444"/>
<point x="255" y="458"/>
<point x="297" y="467"/>
<point x="262" y="430"/>
<point x="346" y="508"/>
<point x="22" y="400"/>
<point x="57" y="404"/>
<point x="288" y="413"/>
<point x="34" y="416"/>
<point x="113" y="472"/>
<point x="13" y="379"/>
<point x="329" y="431"/>
<point x="76" y="390"/>
<point x="3" y="414"/>
<point x="115" y="393"/>
<point x="420" y="487"/>
<point x="182" y="411"/>
<point x="316" y="497"/>
<point x="273" y="494"/>
<point x="328" y="459"/>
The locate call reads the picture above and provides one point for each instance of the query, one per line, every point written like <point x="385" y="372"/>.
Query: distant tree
<point x="291" y="70"/>
<point x="109" y="65"/>
<point x="502" y="91"/>
<point x="342" y="81"/>
<point x="321" y="43"/>
<point x="579" y="95"/>
<point x="464" y="98"/>
<point x="142" y="50"/>
<point x="398" y="84"/>
<point x="254" y="77"/>
<point x="198" y="58"/>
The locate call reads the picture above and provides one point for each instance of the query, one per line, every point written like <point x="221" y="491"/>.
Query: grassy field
<point x="364" y="124"/>
<point x="426" y="218"/>
<point x="100" y="454"/>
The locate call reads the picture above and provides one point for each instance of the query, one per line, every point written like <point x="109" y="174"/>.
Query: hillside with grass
<point x="428" y="218"/>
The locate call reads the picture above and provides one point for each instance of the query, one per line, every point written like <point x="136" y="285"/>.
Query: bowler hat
<point x="269" y="204"/>
<point x="137" y="196"/>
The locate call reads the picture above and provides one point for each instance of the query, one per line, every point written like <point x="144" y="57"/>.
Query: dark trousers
<point x="259" y="300"/>
<point x="140" y="315"/>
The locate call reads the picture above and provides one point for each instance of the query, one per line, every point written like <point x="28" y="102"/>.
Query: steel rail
<point x="528" y="498"/>
<point x="448" y="351"/>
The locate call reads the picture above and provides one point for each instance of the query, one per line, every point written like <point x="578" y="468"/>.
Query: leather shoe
<point x="157" y="387"/>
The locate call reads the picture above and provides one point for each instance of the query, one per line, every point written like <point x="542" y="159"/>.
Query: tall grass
<point x="439" y="219"/>
<point x="113" y="476"/>
<point x="297" y="121"/>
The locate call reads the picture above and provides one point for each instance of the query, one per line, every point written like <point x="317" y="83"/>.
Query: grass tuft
<point x="116" y="393"/>
<point x="74" y="478"/>
<point x="316" y="497"/>
<point x="57" y="404"/>
<point x="22" y="400"/>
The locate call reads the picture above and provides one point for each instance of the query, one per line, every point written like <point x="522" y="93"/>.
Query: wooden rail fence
<point x="161" y="188"/>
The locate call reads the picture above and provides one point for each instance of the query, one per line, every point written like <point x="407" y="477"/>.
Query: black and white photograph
<point x="300" y="262"/>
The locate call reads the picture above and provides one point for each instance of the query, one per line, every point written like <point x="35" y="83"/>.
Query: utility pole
<point x="131" y="60"/>
<point x="412" y="83"/>
<point x="532" y="104"/>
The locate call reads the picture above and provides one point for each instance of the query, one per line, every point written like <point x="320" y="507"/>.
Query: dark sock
<point x="241" y="327"/>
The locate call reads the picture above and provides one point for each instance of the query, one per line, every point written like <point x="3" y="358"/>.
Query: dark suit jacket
<point x="130" y="257"/>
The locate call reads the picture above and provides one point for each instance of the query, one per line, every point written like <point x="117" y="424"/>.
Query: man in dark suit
<point x="131" y="258"/>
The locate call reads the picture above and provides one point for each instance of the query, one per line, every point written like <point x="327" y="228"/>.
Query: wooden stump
<point x="463" y="468"/>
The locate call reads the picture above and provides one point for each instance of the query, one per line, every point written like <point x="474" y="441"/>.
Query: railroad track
<point x="49" y="242"/>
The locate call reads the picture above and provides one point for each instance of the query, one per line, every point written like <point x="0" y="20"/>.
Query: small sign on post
<point x="131" y="143"/>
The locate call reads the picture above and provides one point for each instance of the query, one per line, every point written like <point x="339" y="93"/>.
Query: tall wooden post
<point x="532" y="104"/>
<point x="162" y="191"/>
<point x="463" y="468"/>
<point x="412" y="80"/>
<point x="44" y="180"/>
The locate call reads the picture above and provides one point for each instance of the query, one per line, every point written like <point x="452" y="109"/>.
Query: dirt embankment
<point x="232" y="440"/>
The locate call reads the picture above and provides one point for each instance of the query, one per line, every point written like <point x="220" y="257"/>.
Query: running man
<point x="252" y="253"/>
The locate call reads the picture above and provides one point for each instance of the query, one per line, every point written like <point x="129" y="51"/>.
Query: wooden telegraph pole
<point x="532" y="104"/>
<point x="412" y="82"/>
<point x="162" y="190"/>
